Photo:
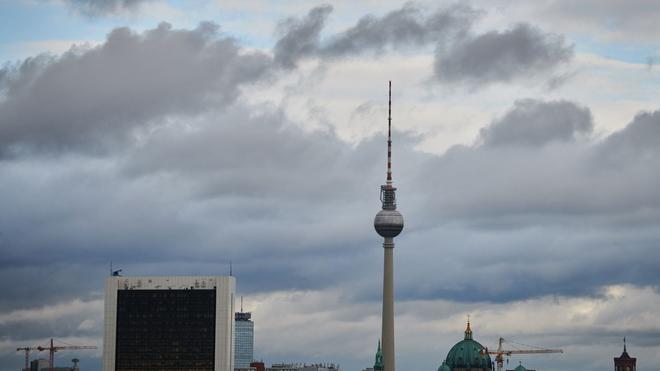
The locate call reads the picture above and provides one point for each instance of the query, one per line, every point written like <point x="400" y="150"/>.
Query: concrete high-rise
<point x="243" y="339"/>
<point x="171" y="323"/>
<point x="388" y="224"/>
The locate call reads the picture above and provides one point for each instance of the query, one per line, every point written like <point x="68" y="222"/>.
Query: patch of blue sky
<point x="638" y="53"/>
<point x="23" y="22"/>
<point x="254" y="30"/>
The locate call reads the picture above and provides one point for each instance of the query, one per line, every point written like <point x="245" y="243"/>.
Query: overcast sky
<point x="171" y="137"/>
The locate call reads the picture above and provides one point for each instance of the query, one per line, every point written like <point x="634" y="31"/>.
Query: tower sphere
<point x="388" y="223"/>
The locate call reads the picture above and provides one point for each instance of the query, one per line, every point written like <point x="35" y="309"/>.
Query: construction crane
<point x="27" y="354"/>
<point x="52" y="349"/>
<point x="500" y="352"/>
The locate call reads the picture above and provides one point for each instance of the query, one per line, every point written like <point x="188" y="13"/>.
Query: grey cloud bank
<point x="535" y="123"/>
<point x="87" y="98"/>
<point x="300" y="36"/>
<point x="521" y="52"/>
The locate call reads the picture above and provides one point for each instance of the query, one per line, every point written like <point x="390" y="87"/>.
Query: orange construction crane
<point x="500" y="352"/>
<point x="27" y="355"/>
<point x="52" y="349"/>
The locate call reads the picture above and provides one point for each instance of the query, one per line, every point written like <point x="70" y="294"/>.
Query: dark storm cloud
<point x="642" y="134"/>
<point x="536" y="211"/>
<point x="283" y="161"/>
<point x="278" y="201"/>
<point x="86" y="97"/>
<point x="535" y="123"/>
<point x="461" y="56"/>
<point x="102" y="7"/>
<point x="300" y="36"/>
<point x="405" y="28"/>
<point x="527" y="167"/>
<point x="195" y="187"/>
<point x="92" y="99"/>
<point x="233" y="175"/>
<point x="495" y="56"/>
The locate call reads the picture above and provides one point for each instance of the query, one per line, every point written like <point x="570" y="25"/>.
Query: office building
<point x="244" y="339"/>
<point x="176" y="323"/>
<point x="43" y="365"/>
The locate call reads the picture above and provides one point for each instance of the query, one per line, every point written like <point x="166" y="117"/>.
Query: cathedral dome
<point x="467" y="353"/>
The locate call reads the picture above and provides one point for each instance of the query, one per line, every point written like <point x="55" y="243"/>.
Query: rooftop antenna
<point x="241" y="303"/>
<point x="110" y="267"/>
<point x="231" y="273"/>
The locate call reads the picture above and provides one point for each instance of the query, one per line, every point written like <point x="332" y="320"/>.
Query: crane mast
<point x="52" y="349"/>
<point x="501" y="352"/>
<point x="27" y="355"/>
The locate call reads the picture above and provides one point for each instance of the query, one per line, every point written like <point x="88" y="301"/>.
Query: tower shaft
<point x="388" y="305"/>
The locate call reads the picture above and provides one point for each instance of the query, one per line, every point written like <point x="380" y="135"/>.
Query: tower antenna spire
<point x="389" y="136"/>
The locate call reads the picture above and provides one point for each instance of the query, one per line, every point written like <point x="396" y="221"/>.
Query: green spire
<point x="378" y="365"/>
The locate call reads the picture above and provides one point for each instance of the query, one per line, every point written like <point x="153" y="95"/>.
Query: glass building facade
<point x="243" y="340"/>
<point x="165" y="330"/>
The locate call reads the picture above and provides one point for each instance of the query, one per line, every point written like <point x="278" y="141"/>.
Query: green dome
<point x="467" y="354"/>
<point x="520" y="368"/>
<point x="444" y="367"/>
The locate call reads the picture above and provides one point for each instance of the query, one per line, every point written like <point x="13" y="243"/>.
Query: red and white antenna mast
<point x="389" y="136"/>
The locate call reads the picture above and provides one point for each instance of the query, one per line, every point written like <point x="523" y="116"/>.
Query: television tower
<point x="388" y="224"/>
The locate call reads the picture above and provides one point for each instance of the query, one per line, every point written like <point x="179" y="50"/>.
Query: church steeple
<point x="625" y="362"/>
<point x="378" y="364"/>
